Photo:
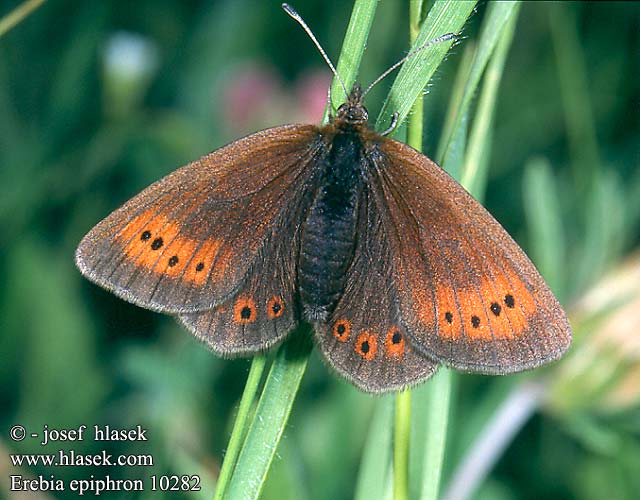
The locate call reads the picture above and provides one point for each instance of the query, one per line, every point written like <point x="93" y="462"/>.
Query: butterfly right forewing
<point x="469" y="296"/>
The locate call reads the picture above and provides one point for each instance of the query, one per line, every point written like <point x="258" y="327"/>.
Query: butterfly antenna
<point x="441" y="38"/>
<point x="292" y="12"/>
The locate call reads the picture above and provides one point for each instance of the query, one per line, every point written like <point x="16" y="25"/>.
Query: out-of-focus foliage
<point x="99" y="99"/>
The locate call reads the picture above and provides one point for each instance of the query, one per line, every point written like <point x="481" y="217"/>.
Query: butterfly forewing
<point x="468" y="294"/>
<point x="187" y="242"/>
<point x="365" y="340"/>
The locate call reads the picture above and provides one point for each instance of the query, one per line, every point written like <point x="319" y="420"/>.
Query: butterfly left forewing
<point x="187" y="242"/>
<point x="468" y="294"/>
<point x="364" y="340"/>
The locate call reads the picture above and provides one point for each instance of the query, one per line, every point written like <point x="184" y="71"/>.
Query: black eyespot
<point x="200" y="266"/>
<point x="449" y="317"/>
<point x="275" y="307"/>
<point x="509" y="301"/>
<point x="145" y="236"/>
<point x="245" y="313"/>
<point x="364" y="347"/>
<point x="173" y="261"/>
<point x="342" y="330"/>
<point x="495" y="308"/>
<point x="394" y="342"/>
<point x="475" y="321"/>
<point x="157" y="243"/>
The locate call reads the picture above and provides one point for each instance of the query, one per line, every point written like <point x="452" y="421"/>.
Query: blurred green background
<point x="99" y="99"/>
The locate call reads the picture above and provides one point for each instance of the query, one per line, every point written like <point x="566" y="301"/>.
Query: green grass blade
<point x="352" y="50"/>
<point x="18" y="14"/>
<point x="376" y="458"/>
<point x="547" y="236"/>
<point x="446" y="16"/>
<point x="475" y="174"/>
<point x="512" y="414"/>
<point x="439" y="396"/>
<point x="455" y="158"/>
<point x="604" y="234"/>
<point x="497" y="15"/>
<point x="401" y="437"/>
<point x="574" y="90"/>
<point x="270" y="417"/>
<point x="415" y="123"/>
<point x="240" y="425"/>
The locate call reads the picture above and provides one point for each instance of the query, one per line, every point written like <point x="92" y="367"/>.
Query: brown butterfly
<point x="394" y="264"/>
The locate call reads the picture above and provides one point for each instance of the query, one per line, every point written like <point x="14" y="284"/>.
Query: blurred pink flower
<point x="311" y="94"/>
<point x="255" y="97"/>
<point x="249" y="96"/>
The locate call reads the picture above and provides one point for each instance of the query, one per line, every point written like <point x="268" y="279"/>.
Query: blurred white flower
<point x="129" y="62"/>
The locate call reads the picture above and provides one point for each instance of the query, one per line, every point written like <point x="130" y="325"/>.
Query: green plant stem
<point x="402" y="432"/>
<point x="416" y="118"/>
<point x="375" y="470"/>
<point x="455" y="158"/>
<point x="402" y="424"/>
<point x="18" y="14"/>
<point x="240" y="425"/>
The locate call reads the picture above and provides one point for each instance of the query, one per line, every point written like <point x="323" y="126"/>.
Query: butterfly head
<point x="352" y="112"/>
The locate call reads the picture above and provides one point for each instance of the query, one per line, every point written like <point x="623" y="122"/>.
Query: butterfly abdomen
<point x="328" y="238"/>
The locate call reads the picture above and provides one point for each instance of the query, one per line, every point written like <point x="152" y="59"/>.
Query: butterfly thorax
<point x="329" y="233"/>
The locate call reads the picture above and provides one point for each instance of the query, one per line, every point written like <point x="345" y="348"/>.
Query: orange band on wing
<point x="153" y="243"/>
<point x="497" y="309"/>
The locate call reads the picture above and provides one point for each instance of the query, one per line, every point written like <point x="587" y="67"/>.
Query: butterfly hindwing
<point x="187" y="242"/>
<point x="468" y="294"/>
<point x="365" y="340"/>
<point x="261" y="314"/>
